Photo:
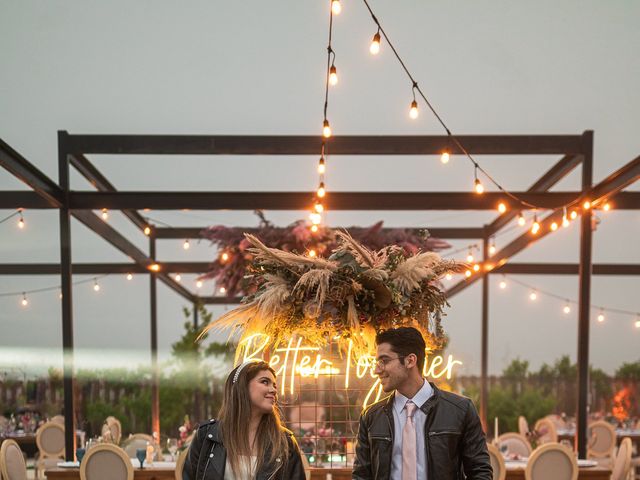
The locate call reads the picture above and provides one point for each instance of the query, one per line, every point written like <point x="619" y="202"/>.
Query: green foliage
<point x="629" y="372"/>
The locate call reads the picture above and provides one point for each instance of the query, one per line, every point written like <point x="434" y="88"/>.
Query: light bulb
<point x="222" y="290"/>
<point x="637" y="324"/>
<point x="467" y="273"/>
<point x="155" y="267"/>
<point x="601" y="317"/>
<point x="535" y="226"/>
<point x="316" y="218"/>
<point x="199" y="284"/>
<point x="321" y="166"/>
<point x="312" y="253"/>
<point x="573" y="215"/>
<point x="448" y="276"/>
<point x="533" y="296"/>
<point x="492" y="249"/>
<point x="476" y="268"/>
<point x="444" y="158"/>
<point x="502" y="207"/>
<point x="333" y="75"/>
<point x="503" y="284"/>
<point x="521" y="220"/>
<point x="21" y="222"/>
<point x="224" y="257"/>
<point x="318" y="207"/>
<point x="24" y="301"/>
<point x="374" y="48"/>
<point x="336" y="7"/>
<point x="147" y="231"/>
<point x="321" y="191"/>
<point x="554" y="226"/>
<point x="186" y="244"/>
<point x="586" y="205"/>
<point x="566" y="309"/>
<point x="178" y="277"/>
<point x="96" y="286"/>
<point x="105" y="214"/>
<point x="326" y="129"/>
<point x="413" y="110"/>
<point x="470" y="256"/>
<point x="129" y="276"/>
<point x="565" y="221"/>
<point x="314" y="228"/>
<point x="606" y="207"/>
<point x="477" y="185"/>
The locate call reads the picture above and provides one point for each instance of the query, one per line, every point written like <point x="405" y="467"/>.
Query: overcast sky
<point x="255" y="67"/>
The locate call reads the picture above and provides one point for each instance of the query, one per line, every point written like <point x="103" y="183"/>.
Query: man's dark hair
<point x="404" y="341"/>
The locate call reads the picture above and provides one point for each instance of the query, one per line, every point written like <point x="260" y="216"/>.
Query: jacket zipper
<point x="444" y="432"/>
<point x="204" y="473"/>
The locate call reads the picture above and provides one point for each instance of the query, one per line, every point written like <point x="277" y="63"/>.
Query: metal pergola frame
<point x="575" y="150"/>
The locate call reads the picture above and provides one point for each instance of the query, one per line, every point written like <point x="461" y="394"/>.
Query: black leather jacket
<point x="455" y="443"/>
<point x="207" y="457"/>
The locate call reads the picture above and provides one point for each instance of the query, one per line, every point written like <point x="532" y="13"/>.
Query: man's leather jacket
<point x="207" y="458"/>
<point x="455" y="443"/>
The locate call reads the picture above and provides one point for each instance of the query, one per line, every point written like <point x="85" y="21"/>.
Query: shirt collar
<point x="419" y="398"/>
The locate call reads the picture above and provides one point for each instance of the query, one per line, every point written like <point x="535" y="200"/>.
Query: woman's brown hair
<point x="270" y="443"/>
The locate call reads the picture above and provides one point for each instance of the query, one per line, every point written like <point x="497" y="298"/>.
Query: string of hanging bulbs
<point x="569" y="209"/>
<point x="534" y="293"/>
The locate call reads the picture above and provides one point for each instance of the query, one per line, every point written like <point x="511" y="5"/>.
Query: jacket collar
<point x="388" y="402"/>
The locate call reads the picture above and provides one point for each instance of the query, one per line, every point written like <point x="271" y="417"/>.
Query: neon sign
<point x="297" y="358"/>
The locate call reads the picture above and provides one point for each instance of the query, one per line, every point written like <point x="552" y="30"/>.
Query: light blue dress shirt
<point x="399" y="420"/>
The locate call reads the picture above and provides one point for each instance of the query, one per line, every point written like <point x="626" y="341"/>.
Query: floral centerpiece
<point x="347" y="297"/>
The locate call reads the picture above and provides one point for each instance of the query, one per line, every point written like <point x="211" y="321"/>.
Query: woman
<point x="247" y="440"/>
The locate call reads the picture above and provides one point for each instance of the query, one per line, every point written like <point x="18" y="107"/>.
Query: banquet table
<point x="633" y="434"/>
<point x="157" y="471"/>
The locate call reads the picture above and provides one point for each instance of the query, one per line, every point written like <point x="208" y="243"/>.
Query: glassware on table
<point x="504" y="449"/>
<point x="80" y="454"/>
<point x="172" y="446"/>
<point x="141" y="454"/>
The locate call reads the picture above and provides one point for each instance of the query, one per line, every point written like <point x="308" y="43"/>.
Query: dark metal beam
<point x="621" y="269"/>
<point x="310" y="144"/>
<point x="14" y="199"/>
<point x="544" y="183"/>
<point x="302" y="200"/>
<point x="26" y="172"/>
<point x="95" y="177"/>
<point x="484" y="344"/>
<point x="155" y="375"/>
<point x="196" y="232"/>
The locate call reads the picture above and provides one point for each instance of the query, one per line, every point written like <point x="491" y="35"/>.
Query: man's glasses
<point x="382" y="363"/>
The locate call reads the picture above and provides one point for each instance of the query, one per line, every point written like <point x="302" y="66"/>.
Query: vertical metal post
<point x="484" y="366"/>
<point x="67" y="301"/>
<point x="195" y="315"/>
<point x="584" y="300"/>
<point x="155" y="394"/>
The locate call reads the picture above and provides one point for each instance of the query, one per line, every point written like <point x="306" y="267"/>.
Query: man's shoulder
<point x="376" y="407"/>
<point x="456" y="400"/>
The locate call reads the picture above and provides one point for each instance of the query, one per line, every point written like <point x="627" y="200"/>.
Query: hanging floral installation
<point x="234" y="258"/>
<point x="347" y="297"/>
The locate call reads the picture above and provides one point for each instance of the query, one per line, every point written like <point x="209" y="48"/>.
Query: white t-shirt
<point x="243" y="474"/>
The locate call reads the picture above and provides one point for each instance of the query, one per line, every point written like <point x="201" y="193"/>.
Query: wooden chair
<point x="602" y="442"/>
<point x="50" y="442"/>
<point x="551" y="461"/>
<point x="58" y="419"/>
<point x="546" y="430"/>
<point x="622" y="463"/>
<point x="106" y="462"/>
<point x="523" y="426"/>
<point x="516" y="443"/>
<point x="141" y="440"/>
<point x="182" y="458"/>
<point x="112" y="430"/>
<point x="497" y="462"/>
<point x="12" y="464"/>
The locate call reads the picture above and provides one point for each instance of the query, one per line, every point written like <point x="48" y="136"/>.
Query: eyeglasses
<point x="382" y="363"/>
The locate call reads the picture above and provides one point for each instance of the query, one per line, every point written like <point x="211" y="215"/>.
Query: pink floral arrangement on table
<point x="184" y="431"/>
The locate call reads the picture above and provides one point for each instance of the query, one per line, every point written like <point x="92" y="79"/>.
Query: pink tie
<point x="409" y="453"/>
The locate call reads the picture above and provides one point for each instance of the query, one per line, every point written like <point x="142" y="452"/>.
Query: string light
<point x="333" y="75"/>
<point x="96" y="285"/>
<point x="199" y="284"/>
<point x="318" y="207"/>
<point x="554" y="226"/>
<point x="601" y="316"/>
<point x="566" y="309"/>
<point x="24" y="301"/>
<point x="129" y="276"/>
<point x="413" y="110"/>
<point x="521" y="220"/>
<point x="154" y="267"/>
<point x="637" y="321"/>
<point x="467" y="273"/>
<point x="321" y="191"/>
<point x="476" y="268"/>
<point x="448" y="276"/>
<point x="470" y="255"/>
<point x="503" y="283"/>
<point x="586" y="205"/>
<point x="312" y="253"/>
<point x="444" y="158"/>
<point x="535" y="226"/>
<point x="374" y="48"/>
<point x="336" y="7"/>
<point x="316" y="218"/>
<point x="105" y="214"/>
<point x="565" y="220"/>
<point x="222" y="290"/>
<point x="492" y="247"/>
<point x="533" y="295"/>
<point x="21" y="223"/>
<point x="224" y="257"/>
<point x="573" y="215"/>
<point x="147" y="230"/>
<point x="322" y="168"/>
<point x="502" y="207"/>
<point x="178" y="277"/>
<point x="606" y="207"/>
<point x="314" y="228"/>
<point x="477" y="185"/>
<point x="326" y="129"/>
<point x="186" y="245"/>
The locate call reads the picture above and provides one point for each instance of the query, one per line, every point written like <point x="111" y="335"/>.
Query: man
<point x="419" y="432"/>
